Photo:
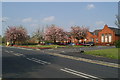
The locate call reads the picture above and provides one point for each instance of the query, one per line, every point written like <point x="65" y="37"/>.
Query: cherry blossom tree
<point x="78" y="32"/>
<point x="14" y="34"/>
<point x="54" y="33"/>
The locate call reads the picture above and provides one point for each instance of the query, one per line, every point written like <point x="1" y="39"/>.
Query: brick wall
<point x="106" y="31"/>
<point x="109" y="36"/>
<point x="90" y="36"/>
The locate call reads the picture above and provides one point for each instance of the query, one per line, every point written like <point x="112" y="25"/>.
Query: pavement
<point x="28" y="63"/>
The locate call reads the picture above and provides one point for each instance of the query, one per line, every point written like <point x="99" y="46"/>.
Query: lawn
<point x="52" y="46"/>
<point x="109" y="53"/>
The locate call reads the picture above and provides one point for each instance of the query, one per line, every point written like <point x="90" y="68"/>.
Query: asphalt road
<point x="21" y="63"/>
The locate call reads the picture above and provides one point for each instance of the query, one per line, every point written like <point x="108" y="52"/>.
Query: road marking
<point x="38" y="61"/>
<point x="18" y="54"/>
<point x="7" y="51"/>
<point x="27" y="49"/>
<point x="74" y="73"/>
<point x="11" y="51"/>
<point x="41" y="61"/>
<point x="34" y="61"/>
<point x="81" y="74"/>
<point x="49" y="49"/>
<point x="38" y="49"/>
<point x="63" y="51"/>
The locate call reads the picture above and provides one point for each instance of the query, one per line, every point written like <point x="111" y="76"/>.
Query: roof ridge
<point x="114" y="27"/>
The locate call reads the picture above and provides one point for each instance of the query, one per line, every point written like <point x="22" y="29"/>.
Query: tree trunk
<point x="54" y="41"/>
<point x="39" y="42"/>
<point x="13" y="43"/>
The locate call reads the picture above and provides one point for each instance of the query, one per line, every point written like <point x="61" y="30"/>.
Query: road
<point x="21" y="63"/>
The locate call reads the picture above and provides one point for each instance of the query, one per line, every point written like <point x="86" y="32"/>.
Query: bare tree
<point x="0" y="39"/>
<point x="39" y="35"/>
<point x="117" y="22"/>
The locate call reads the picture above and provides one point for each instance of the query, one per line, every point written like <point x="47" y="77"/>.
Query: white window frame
<point x="102" y="38"/>
<point x="110" y="38"/>
<point x="106" y="38"/>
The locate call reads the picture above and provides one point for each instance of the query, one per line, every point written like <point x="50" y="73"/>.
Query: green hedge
<point x="48" y="42"/>
<point x="117" y="44"/>
<point x="28" y="44"/>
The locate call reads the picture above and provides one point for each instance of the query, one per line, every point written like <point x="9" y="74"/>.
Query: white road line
<point x="38" y="61"/>
<point x="62" y="51"/>
<point x="80" y="74"/>
<point x="11" y="51"/>
<point x="42" y="61"/>
<point x="7" y="51"/>
<point x="38" y="49"/>
<point x="35" y="61"/>
<point x="18" y="54"/>
<point x="74" y="73"/>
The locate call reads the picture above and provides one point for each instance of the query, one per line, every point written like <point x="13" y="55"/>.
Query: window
<point x="106" y="38"/>
<point x="102" y="38"/>
<point x="110" y="38"/>
<point x="96" y="39"/>
<point x="92" y="39"/>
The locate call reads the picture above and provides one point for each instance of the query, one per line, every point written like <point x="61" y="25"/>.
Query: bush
<point x="28" y="44"/>
<point x="117" y="44"/>
<point x="47" y="42"/>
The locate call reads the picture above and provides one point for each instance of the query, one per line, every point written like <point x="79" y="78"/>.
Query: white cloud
<point x="90" y="6"/>
<point x="49" y="19"/>
<point x="4" y="19"/>
<point x="33" y="25"/>
<point x="27" y="20"/>
<point x="100" y="23"/>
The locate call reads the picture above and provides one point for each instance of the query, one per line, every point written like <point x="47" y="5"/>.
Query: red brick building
<point x="107" y="35"/>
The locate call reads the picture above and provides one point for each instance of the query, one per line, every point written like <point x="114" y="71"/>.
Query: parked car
<point x="72" y="44"/>
<point x="49" y="43"/>
<point x="79" y="43"/>
<point x="89" y="44"/>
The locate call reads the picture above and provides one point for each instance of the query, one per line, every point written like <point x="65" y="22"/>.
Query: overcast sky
<point x="64" y="14"/>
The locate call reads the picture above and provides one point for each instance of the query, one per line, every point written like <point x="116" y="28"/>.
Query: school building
<point x="105" y="36"/>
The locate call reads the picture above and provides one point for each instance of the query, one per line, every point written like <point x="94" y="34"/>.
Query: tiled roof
<point x="116" y="30"/>
<point x="95" y="32"/>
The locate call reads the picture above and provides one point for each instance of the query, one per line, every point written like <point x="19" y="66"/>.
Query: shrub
<point x="48" y="42"/>
<point x="117" y="44"/>
<point x="27" y="43"/>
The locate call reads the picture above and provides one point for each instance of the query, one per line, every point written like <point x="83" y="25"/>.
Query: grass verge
<point x="109" y="53"/>
<point x="52" y="46"/>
